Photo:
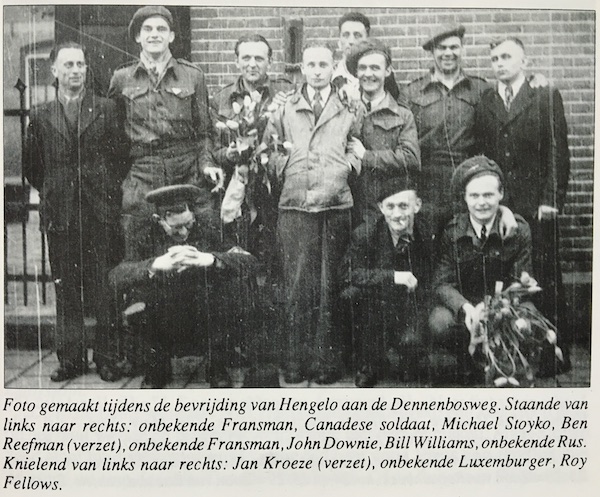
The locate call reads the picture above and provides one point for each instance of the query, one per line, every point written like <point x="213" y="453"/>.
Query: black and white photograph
<point x="216" y="197"/>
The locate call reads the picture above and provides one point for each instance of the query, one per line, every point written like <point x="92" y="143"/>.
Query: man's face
<point x="69" y="69"/>
<point x="253" y="61"/>
<point x="180" y="225"/>
<point x="483" y="195"/>
<point x="317" y="67"/>
<point x="447" y="55"/>
<point x="351" y="32"/>
<point x="155" y="36"/>
<point x="399" y="211"/>
<point x="508" y="61"/>
<point x="371" y="71"/>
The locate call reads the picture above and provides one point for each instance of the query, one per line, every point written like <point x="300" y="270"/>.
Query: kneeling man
<point x="473" y="256"/>
<point x="189" y="283"/>
<point x="387" y="271"/>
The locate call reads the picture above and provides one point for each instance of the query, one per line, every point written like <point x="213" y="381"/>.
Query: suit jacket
<point x="529" y="143"/>
<point x="76" y="168"/>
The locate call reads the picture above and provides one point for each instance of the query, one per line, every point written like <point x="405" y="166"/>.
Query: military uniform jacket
<point x="171" y="113"/>
<point x="76" y="168"/>
<point x="445" y="122"/>
<point x="467" y="270"/>
<point x="529" y="143"/>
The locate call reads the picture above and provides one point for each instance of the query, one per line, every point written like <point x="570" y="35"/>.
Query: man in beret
<point x="167" y="120"/>
<point x="443" y="103"/>
<point x="525" y="131"/>
<point x="355" y="27"/>
<point x="386" y="273"/>
<point x="388" y="145"/>
<point x="190" y="282"/>
<point x="473" y="256"/>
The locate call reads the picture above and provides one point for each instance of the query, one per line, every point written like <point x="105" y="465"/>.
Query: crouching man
<point x="473" y="256"/>
<point x="387" y="272"/>
<point x="189" y="283"/>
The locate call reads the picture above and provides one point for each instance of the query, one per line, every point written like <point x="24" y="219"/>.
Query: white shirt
<point x="375" y="103"/>
<point x="516" y="86"/>
<point x="311" y="92"/>
<point x="477" y="226"/>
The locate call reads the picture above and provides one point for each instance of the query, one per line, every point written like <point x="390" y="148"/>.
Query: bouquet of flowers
<point x="250" y="173"/>
<point x="511" y="334"/>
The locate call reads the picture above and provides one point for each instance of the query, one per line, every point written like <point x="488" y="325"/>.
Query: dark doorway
<point x="103" y="31"/>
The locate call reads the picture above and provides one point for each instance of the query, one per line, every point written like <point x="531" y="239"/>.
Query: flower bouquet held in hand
<point x="511" y="334"/>
<point x="245" y="150"/>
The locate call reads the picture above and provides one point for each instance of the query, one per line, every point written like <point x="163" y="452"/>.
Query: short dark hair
<point x="355" y="17"/>
<point x="318" y="44"/>
<point x="498" y="41"/>
<point x="252" y="39"/>
<point x="67" y="44"/>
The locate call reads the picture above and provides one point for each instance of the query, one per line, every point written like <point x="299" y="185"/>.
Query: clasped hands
<point x="181" y="257"/>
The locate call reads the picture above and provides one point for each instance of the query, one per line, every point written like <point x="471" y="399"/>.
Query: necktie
<point x="317" y="106"/>
<point x="508" y="97"/>
<point x="368" y="104"/>
<point x="483" y="236"/>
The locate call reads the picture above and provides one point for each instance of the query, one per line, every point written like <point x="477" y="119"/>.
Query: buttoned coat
<point x="76" y="168"/>
<point x="529" y="143"/>
<point x="315" y="176"/>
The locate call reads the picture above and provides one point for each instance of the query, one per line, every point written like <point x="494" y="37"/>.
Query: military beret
<point x="396" y="185"/>
<point x="363" y="48"/>
<point x="446" y="32"/>
<point x="476" y="166"/>
<point x="169" y="196"/>
<point x="144" y="13"/>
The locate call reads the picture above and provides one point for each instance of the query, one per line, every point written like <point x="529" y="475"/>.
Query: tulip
<point x="256" y="96"/>
<point x="247" y="101"/>
<point x="525" y="278"/>
<point x="513" y="382"/>
<point x="551" y="336"/>
<point x="501" y="381"/>
<point x="232" y="125"/>
<point x="521" y="324"/>
<point x="221" y="125"/>
<point x="264" y="159"/>
<point x="237" y="108"/>
<point x="288" y="146"/>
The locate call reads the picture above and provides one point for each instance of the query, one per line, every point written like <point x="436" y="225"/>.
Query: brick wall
<point x="560" y="44"/>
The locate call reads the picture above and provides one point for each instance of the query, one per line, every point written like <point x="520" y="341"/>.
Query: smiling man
<point x="473" y="257"/>
<point x="388" y="145"/>
<point x="167" y="120"/>
<point x="387" y="271"/>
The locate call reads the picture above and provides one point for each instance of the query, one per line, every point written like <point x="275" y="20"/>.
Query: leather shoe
<point x="327" y="377"/>
<point x="64" y="373"/>
<point x="365" y="378"/>
<point x="109" y="373"/>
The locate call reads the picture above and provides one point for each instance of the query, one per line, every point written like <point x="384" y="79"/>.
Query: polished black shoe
<point x="365" y="378"/>
<point x="327" y="377"/>
<point x="158" y="375"/>
<point x="109" y="373"/>
<point x="64" y="373"/>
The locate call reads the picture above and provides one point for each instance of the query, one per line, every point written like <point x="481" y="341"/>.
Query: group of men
<point x="393" y="164"/>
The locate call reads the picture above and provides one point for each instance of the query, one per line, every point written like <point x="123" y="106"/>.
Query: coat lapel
<point x="56" y="118"/>
<point x="332" y="108"/>
<point x="522" y="101"/>
<point x="497" y="107"/>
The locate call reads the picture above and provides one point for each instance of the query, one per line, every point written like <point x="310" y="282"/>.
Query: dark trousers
<point x="313" y="245"/>
<point x="79" y="259"/>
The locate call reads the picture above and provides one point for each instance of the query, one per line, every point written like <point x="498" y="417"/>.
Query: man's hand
<point x="546" y="213"/>
<point x="281" y="97"/>
<point x="472" y="315"/>
<point x="198" y="259"/>
<point x="538" y="81"/>
<point x="405" y="278"/>
<point x="508" y="224"/>
<point x="216" y="176"/>
<point x="356" y="147"/>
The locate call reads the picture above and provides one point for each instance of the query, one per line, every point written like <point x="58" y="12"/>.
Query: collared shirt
<point x="515" y="85"/>
<point x="71" y="106"/>
<point x="478" y="226"/>
<point x="311" y="92"/>
<point x="375" y="103"/>
<point x="157" y="67"/>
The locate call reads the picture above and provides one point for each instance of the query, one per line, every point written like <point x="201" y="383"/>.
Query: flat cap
<point x="363" y="48"/>
<point x="169" y="196"/>
<point x="144" y="13"/>
<point x="396" y="185"/>
<point x="476" y="166"/>
<point x="446" y="32"/>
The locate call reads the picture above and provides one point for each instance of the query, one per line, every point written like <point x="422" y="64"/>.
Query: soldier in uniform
<point x="167" y="119"/>
<point x="187" y="281"/>
<point x="443" y="103"/>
